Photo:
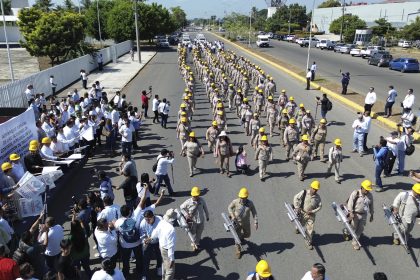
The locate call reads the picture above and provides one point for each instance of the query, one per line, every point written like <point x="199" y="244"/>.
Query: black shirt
<point x="65" y="266"/>
<point x="32" y="160"/>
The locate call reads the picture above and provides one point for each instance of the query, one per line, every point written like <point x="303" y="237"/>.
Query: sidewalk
<point x="114" y="76"/>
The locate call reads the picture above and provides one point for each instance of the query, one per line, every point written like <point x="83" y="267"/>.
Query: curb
<point x="334" y="95"/>
<point x="132" y="78"/>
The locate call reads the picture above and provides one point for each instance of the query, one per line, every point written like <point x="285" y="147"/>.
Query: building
<point x="398" y="14"/>
<point x="12" y="30"/>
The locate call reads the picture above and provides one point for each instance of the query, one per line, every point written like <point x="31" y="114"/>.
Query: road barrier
<point x="12" y="95"/>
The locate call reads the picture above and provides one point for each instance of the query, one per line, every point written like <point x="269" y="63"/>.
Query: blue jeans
<point x="163" y="120"/>
<point x="148" y="251"/>
<point x="167" y="181"/>
<point x="324" y="114"/>
<point x="378" y="171"/>
<point x="126" y="147"/>
<point x="125" y="256"/>
<point x="358" y="141"/>
<point x="401" y="161"/>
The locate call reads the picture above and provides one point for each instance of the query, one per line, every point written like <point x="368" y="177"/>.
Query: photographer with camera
<point x="145" y="96"/>
<point x="162" y="163"/>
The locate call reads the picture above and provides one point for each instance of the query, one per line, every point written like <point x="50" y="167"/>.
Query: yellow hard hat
<point x="292" y="121"/>
<point x="220" y="113"/>
<point x="301" y="105"/>
<point x="14" y="157"/>
<point x="315" y="185"/>
<point x="323" y="121"/>
<point x="305" y="137"/>
<point x="33" y="142"/>
<point x="186" y="90"/>
<point x="6" y="166"/>
<point x="189" y="94"/>
<point x="183" y="105"/>
<point x="183" y="119"/>
<point x="257" y="88"/>
<point x="260" y="91"/>
<point x="264" y="138"/>
<point x="192" y="134"/>
<point x="284" y="111"/>
<point x="255" y="114"/>
<point x="191" y="78"/>
<point x="243" y="193"/>
<point x="183" y="113"/>
<point x="416" y="188"/>
<point x="46" y="140"/>
<point x="239" y="90"/>
<point x="230" y="85"/>
<point x="219" y="105"/>
<point x="186" y="97"/>
<point x="245" y="99"/>
<point x="195" y="191"/>
<point x="262" y="129"/>
<point x="292" y="98"/>
<point x="271" y="78"/>
<point x="263" y="269"/>
<point x="283" y="91"/>
<point x="270" y="97"/>
<point x="33" y="148"/>
<point x="367" y="185"/>
<point x="214" y="123"/>
<point x="337" y="142"/>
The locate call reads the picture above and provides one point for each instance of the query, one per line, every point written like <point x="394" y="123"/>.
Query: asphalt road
<point x="329" y="64"/>
<point x="275" y="240"/>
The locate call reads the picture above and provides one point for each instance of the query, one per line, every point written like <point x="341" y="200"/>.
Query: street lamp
<point x="310" y="34"/>
<point x="99" y="23"/>
<point x="12" y="76"/>
<point x="137" y="31"/>
<point x="342" y="21"/>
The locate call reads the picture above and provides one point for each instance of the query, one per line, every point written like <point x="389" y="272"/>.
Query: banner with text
<point x="15" y="135"/>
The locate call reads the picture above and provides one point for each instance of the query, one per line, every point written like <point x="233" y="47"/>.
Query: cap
<point x="213" y="123"/>
<point x="283" y="91"/>
<point x="337" y="142"/>
<point x="170" y="215"/>
<point x="33" y="148"/>
<point x="33" y="142"/>
<point x="46" y="140"/>
<point x="183" y="113"/>
<point x="245" y="99"/>
<point x="292" y="121"/>
<point x="223" y="133"/>
<point x="284" y="111"/>
<point x="220" y="113"/>
<point x="183" y="105"/>
<point x="301" y="105"/>
<point x="264" y="138"/>
<point x="305" y="137"/>
<point x="183" y="119"/>
<point x="192" y="134"/>
<point x="263" y="269"/>
<point x="323" y="121"/>
<point x="270" y="97"/>
<point x="262" y="129"/>
<point x="292" y="98"/>
<point x="416" y="188"/>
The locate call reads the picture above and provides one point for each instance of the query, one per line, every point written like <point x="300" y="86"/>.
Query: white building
<point x="13" y="33"/>
<point x="398" y="14"/>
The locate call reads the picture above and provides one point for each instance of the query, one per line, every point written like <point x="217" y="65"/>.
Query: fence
<point x="13" y="94"/>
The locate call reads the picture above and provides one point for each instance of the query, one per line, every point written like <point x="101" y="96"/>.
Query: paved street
<point x="329" y="64"/>
<point x="275" y="240"/>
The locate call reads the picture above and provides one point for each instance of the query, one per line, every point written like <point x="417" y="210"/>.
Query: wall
<point x="13" y="94"/>
<point x="13" y="34"/>
<point x="395" y="13"/>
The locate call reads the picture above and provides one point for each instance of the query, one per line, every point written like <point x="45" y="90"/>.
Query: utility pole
<point x="12" y="76"/>
<point x="310" y="35"/>
<point x="250" y="26"/>
<point x="290" y="18"/>
<point x="342" y="20"/>
<point x="99" y="23"/>
<point x="137" y="31"/>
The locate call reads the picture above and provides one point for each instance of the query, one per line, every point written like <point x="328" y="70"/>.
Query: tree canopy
<point x="330" y="4"/>
<point x="7" y="6"/>
<point x="382" y="27"/>
<point x="412" y="30"/>
<point x="179" y="17"/>
<point x="351" y="23"/>
<point x="43" y="5"/>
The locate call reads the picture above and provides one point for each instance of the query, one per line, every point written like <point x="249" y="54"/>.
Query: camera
<point x="117" y="169"/>
<point x="317" y="98"/>
<point x="150" y="88"/>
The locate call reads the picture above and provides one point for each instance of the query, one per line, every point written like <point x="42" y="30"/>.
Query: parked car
<point x="263" y="41"/>
<point x="289" y="38"/>
<point x="338" y="46"/>
<point x="305" y="42"/>
<point x="162" y="43"/>
<point x="299" y="40"/>
<point x="357" y="51"/>
<point x="347" y="48"/>
<point x="370" y="50"/>
<point x="173" y="40"/>
<point x="380" y="59"/>
<point x="404" y="64"/>
<point x="325" y="44"/>
<point x="404" y="44"/>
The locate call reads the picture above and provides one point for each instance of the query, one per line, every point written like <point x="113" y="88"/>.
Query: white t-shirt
<point x="162" y="165"/>
<point x="55" y="235"/>
<point x="107" y="243"/>
<point x="155" y="104"/>
<point x="110" y="213"/>
<point x="102" y="275"/>
<point x="308" y="276"/>
<point x="138" y="212"/>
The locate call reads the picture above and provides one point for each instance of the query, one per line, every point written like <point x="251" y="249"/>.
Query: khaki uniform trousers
<point x="168" y="272"/>
<point x="224" y="162"/>
<point x="321" y="146"/>
<point x="336" y="165"/>
<point x="197" y="231"/>
<point x="192" y="161"/>
<point x="301" y="166"/>
<point x="308" y="222"/>
<point x="358" y="223"/>
<point x="262" y="167"/>
<point x="289" y="148"/>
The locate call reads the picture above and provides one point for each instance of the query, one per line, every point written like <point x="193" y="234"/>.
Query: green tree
<point x="86" y="3"/>
<point x="54" y="34"/>
<point x="68" y="4"/>
<point x="91" y="17"/>
<point x="351" y="23"/>
<point x="179" y="17"/>
<point x="382" y="27"/>
<point x="7" y="6"/>
<point x="412" y="30"/>
<point x="43" y="5"/>
<point x="120" y="22"/>
<point x="295" y="12"/>
<point x="330" y="4"/>
<point x="154" y="20"/>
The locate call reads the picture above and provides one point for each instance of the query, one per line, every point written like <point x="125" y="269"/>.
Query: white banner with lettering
<point x="15" y="135"/>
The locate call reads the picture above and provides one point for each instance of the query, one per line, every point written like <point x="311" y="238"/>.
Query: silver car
<point x="347" y="48"/>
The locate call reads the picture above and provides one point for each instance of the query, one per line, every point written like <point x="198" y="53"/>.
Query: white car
<point x="263" y="41"/>
<point x="186" y="41"/>
<point x="163" y="43"/>
<point x="325" y="44"/>
<point x="357" y="51"/>
<point x="299" y="40"/>
<point x="406" y="44"/>
<point x="370" y="50"/>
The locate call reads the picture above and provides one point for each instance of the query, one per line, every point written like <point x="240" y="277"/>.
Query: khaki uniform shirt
<point x="264" y="152"/>
<point x="291" y="134"/>
<point x="312" y="202"/>
<point x="363" y="204"/>
<point x="211" y="134"/>
<point x="283" y="121"/>
<point x="408" y="206"/>
<point x="254" y="124"/>
<point x="192" y="149"/>
<point x="195" y="209"/>
<point x="183" y="131"/>
<point x="302" y="152"/>
<point x="235" y="209"/>
<point x="319" y="133"/>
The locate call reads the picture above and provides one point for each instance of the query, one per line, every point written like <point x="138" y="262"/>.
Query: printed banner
<point x="15" y="135"/>
<point x="30" y="186"/>
<point x="30" y="207"/>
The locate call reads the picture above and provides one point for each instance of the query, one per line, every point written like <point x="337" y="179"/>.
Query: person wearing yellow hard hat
<point x="230" y="96"/>
<point x="319" y="136"/>
<point x="264" y="154"/>
<point x="262" y="272"/>
<point x="271" y="114"/>
<point x="406" y="206"/>
<point x="259" y="101"/>
<point x="254" y="126"/>
<point x="283" y="122"/>
<point x="290" y="137"/>
<point x="220" y="118"/>
<point x="195" y="211"/>
<point x="307" y="202"/>
<point x="46" y="151"/>
<point x="192" y="149"/>
<point x="240" y="210"/>
<point x="307" y="123"/>
<point x="270" y="87"/>
<point x="257" y="139"/>
<point x="18" y="169"/>
<point x="301" y="111"/>
<point x="246" y="116"/>
<point x="359" y="205"/>
<point x="291" y="107"/>
<point x="33" y="160"/>
<point x="283" y="99"/>
<point x="302" y="155"/>
<point x="211" y="135"/>
<point x="9" y="182"/>
<point x="224" y="151"/>
<point x="335" y="157"/>
<point x="182" y="130"/>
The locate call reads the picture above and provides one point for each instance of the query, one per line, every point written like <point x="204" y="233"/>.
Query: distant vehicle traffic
<point x="325" y="44"/>
<point x="370" y="50"/>
<point x="306" y="41"/>
<point x="338" y="46"/>
<point x="404" y="44"/>
<point x="162" y="43"/>
<point x="357" y="51"/>
<point x="380" y="59"/>
<point x="404" y="65"/>
<point x="200" y="38"/>
<point x="347" y="48"/>
<point x="263" y="41"/>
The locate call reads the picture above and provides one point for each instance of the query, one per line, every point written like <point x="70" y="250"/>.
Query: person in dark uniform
<point x="345" y="80"/>
<point x="33" y="160"/>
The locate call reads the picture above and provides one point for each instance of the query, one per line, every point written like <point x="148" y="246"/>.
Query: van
<point x="263" y="41"/>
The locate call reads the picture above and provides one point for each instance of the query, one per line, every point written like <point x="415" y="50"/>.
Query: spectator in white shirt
<point x="147" y="226"/>
<point x="359" y="130"/>
<point x="407" y="118"/>
<point x="370" y="99"/>
<point x="163" y="161"/>
<point x="83" y="76"/>
<point x="165" y="234"/>
<point x="46" y="151"/>
<point x="308" y="79"/>
<point x="368" y="121"/>
<point x="392" y="144"/>
<point x="317" y="272"/>
<point x="57" y="147"/>
<point x="163" y="109"/>
<point x="408" y="101"/>
<point x="75" y="96"/>
<point x="4" y="224"/>
<point x="117" y="100"/>
<point x="126" y="130"/>
<point x="70" y="132"/>
<point x="53" y="85"/>
<point x="47" y="127"/>
<point x="50" y="236"/>
<point x="107" y="239"/>
<point x="313" y="70"/>
<point x="108" y="272"/>
<point x="390" y="100"/>
<point x="155" y="106"/>
<point x="29" y="92"/>
<point x="111" y="212"/>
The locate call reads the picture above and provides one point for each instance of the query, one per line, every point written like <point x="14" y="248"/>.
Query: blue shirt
<point x="380" y="155"/>
<point x="105" y="188"/>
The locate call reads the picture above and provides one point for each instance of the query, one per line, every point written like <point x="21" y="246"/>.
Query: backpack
<point x="129" y="232"/>
<point x="414" y="121"/>
<point x="20" y="256"/>
<point x="329" y="105"/>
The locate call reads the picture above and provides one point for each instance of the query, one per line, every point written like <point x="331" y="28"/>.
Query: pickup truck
<point x="305" y="42"/>
<point x="370" y="50"/>
<point x="325" y="44"/>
